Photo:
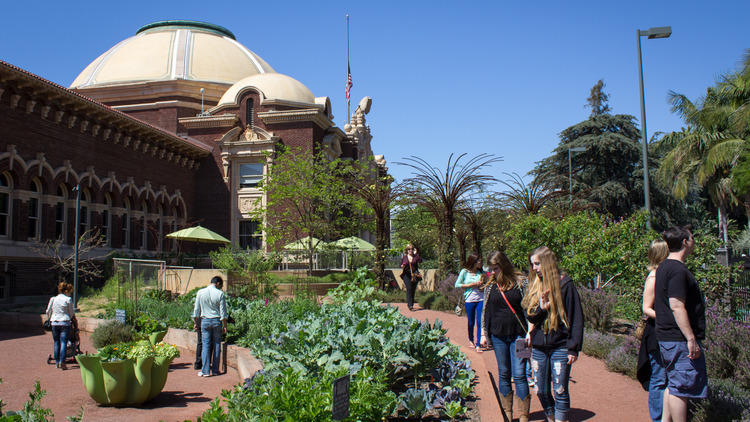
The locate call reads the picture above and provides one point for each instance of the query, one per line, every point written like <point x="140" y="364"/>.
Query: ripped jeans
<point x="551" y="367"/>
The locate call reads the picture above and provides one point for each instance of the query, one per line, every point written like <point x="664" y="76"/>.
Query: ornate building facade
<point x="168" y="128"/>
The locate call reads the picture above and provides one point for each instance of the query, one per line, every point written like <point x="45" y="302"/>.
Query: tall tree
<point x="440" y="192"/>
<point x="598" y="100"/>
<point x="306" y="195"/>
<point x="380" y="194"/>
<point x="603" y="174"/>
<point x="532" y="198"/>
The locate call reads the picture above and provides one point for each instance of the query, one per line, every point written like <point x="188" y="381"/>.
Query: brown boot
<point x="507" y="403"/>
<point x="522" y="406"/>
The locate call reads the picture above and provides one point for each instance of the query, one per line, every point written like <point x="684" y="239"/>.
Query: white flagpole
<point x="348" y="102"/>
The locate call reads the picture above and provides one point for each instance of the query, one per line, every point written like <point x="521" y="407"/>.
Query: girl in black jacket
<point x="553" y="309"/>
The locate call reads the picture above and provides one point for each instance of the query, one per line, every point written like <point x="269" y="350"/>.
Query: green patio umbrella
<point x="304" y="243"/>
<point x="198" y="234"/>
<point x="354" y="243"/>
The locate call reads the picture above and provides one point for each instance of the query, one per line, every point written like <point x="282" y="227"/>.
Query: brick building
<point x="168" y="128"/>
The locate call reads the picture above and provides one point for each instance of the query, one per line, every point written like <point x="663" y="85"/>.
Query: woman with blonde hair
<point x="503" y="322"/>
<point x="61" y="314"/>
<point x="553" y="308"/>
<point x="651" y="370"/>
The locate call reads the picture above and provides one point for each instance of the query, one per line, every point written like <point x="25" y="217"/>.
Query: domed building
<point x="168" y="128"/>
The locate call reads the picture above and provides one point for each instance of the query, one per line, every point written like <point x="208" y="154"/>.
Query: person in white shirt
<point x="61" y="314"/>
<point x="211" y="310"/>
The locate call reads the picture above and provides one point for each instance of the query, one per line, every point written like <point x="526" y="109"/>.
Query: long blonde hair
<point x="550" y="281"/>
<point x="657" y="252"/>
<point x="507" y="277"/>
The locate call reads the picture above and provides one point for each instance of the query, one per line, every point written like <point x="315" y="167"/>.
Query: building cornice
<point x="32" y="94"/>
<point x="157" y="105"/>
<point x="201" y="122"/>
<point x="316" y="116"/>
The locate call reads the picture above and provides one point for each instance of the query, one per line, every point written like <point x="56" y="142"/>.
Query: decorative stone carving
<point x="72" y="121"/>
<point x="30" y="105"/>
<point x="225" y="164"/>
<point x="59" y="116"/>
<point x="14" y="100"/>
<point x="126" y="141"/>
<point x="45" y="111"/>
<point x="248" y="204"/>
<point x="95" y="129"/>
<point x="116" y="137"/>
<point x="84" y="125"/>
<point x="136" y="143"/>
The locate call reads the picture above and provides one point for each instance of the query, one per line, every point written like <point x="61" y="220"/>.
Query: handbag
<point x="459" y="309"/>
<point x="47" y="324"/>
<point x="523" y="351"/>
<point x="641" y="327"/>
<point x="414" y="276"/>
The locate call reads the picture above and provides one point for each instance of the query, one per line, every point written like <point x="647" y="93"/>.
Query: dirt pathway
<point x="596" y="394"/>
<point x="24" y="357"/>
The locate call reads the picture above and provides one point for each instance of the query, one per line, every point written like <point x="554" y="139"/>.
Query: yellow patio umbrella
<point x="304" y="243"/>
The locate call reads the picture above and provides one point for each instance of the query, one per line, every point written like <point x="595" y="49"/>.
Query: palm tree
<point x="379" y="192"/>
<point x="526" y="199"/>
<point x="704" y="152"/>
<point x="441" y="192"/>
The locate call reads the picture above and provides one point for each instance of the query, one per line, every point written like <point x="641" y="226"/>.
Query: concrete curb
<point x="239" y="358"/>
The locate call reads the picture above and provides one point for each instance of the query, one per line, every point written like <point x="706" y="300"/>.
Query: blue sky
<point x="445" y="77"/>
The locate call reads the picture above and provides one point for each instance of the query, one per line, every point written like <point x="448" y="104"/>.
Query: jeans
<point x="60" y="336"/>
<point x="656" y="386"/>
<point x="551" y="367"/>
<point x="411" y="287"/>
<point x="211" y="337"/>
<point x="507" y="363"/>
<point x="474" y="315"/>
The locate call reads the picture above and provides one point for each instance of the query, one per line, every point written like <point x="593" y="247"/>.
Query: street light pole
<point x="75" y="259"/>
<point x="651" y="33"/>
<point x="570" y="171"/>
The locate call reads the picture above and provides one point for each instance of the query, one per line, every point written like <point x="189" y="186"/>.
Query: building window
<point x="5" y="189"/>
<point x="144" y="229"/>
<point x="126" y="226"/>
<point x="35" y="211"/>
<point x="251" y="174"/>
<point x="250" y="235"/>
<point x="60" y="213"/>
<point x="249" y="112"/>
<point x="106" y="220"/>
<point x="83" y="213"/>
<point x="160" y="230"/>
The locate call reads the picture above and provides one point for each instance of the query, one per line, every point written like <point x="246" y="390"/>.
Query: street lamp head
<point x="657" y="32"/>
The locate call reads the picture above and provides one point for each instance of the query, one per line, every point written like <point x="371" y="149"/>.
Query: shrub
<point x="624" y="358"/>
<point x="727" y="354"/>
<point x="598" y="307"/>
<point x="726" y="402"/>
<point x="597" y="344"/>
<point x="452" y="294"/>
<point x="112" y="332"/>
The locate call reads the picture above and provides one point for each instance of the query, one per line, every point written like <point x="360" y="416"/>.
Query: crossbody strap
<point x="511" y="308"/>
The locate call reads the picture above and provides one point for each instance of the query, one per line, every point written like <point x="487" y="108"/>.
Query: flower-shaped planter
<point x="125" y="381"/>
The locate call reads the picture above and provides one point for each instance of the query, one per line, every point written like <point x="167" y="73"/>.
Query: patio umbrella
<point x="354" y="243"/>
<point x="198" y="234"/>
<point x="304" y="243"/>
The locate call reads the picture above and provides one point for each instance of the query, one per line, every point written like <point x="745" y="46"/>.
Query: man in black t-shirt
<point x="680" y="326"/>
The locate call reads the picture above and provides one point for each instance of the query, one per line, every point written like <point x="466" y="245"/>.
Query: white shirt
<point x="60" y="308"/>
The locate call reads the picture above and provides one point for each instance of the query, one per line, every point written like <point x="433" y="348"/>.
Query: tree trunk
<point x="445" y="250"/>
<point x="476" y="236"/>
<point x="310" y="253"/>
<point x="461" y="240"/>
<point x="723" y="225"/>
<point x="380" y="250"/>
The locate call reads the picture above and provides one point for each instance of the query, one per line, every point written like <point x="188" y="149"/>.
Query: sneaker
<point x="57" y="365"/>
<point x="201" y="374"/>
<point x="63" y="366"/>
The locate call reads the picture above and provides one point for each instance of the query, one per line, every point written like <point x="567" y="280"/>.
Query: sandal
<point x="478" y="349"/>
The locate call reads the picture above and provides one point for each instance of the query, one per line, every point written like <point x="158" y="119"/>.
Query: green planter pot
<point x="156" y="337"/>
<point x="123" y="382"/>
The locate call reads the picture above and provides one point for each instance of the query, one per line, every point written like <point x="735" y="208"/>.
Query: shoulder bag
<point x="523" y="351"/>
<point x="416" y="277"/>
<point x="47" y="324"/>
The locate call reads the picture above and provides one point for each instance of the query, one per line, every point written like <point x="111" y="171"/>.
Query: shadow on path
<point x="175" y="399"/>
<point x="575" y="415"/>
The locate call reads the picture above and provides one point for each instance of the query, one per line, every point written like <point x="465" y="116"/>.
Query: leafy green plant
<point x="32" y="410"/>
<point x="166" y="350"/>
<point x="111" y="332"/>
<point x="144" y="324"/>
<point x="415" y="403"/>
<point x="454" y="409"/>
<point x="141" y="349"/>
<point x="114" y="352"/>
<point x="250" y="271"/>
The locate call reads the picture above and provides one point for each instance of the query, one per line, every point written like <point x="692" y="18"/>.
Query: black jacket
<point x="571" y="336"/>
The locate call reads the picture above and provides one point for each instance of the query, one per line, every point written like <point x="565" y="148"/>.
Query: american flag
<point x="349" y="83"/>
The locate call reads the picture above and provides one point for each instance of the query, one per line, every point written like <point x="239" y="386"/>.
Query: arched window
<point x="5" y="190"/>
<point x="160" y="229"/>
<point x="61" y="213"/>
<point x="175" y="218"/>
<point x="107" y="220"/>
<point x="83" y="212"/>
<point x="35" y="210"/>
<point x="144" y="222"/>
<point x="126" y="224"/>
<point x="249" y="106"/>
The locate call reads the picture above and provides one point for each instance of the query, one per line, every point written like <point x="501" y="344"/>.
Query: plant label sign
<point x="120" y="315"/>
<point x="341" y="398"/>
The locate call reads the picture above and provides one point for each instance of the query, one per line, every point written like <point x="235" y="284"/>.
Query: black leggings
<point x="411" y="287"/>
